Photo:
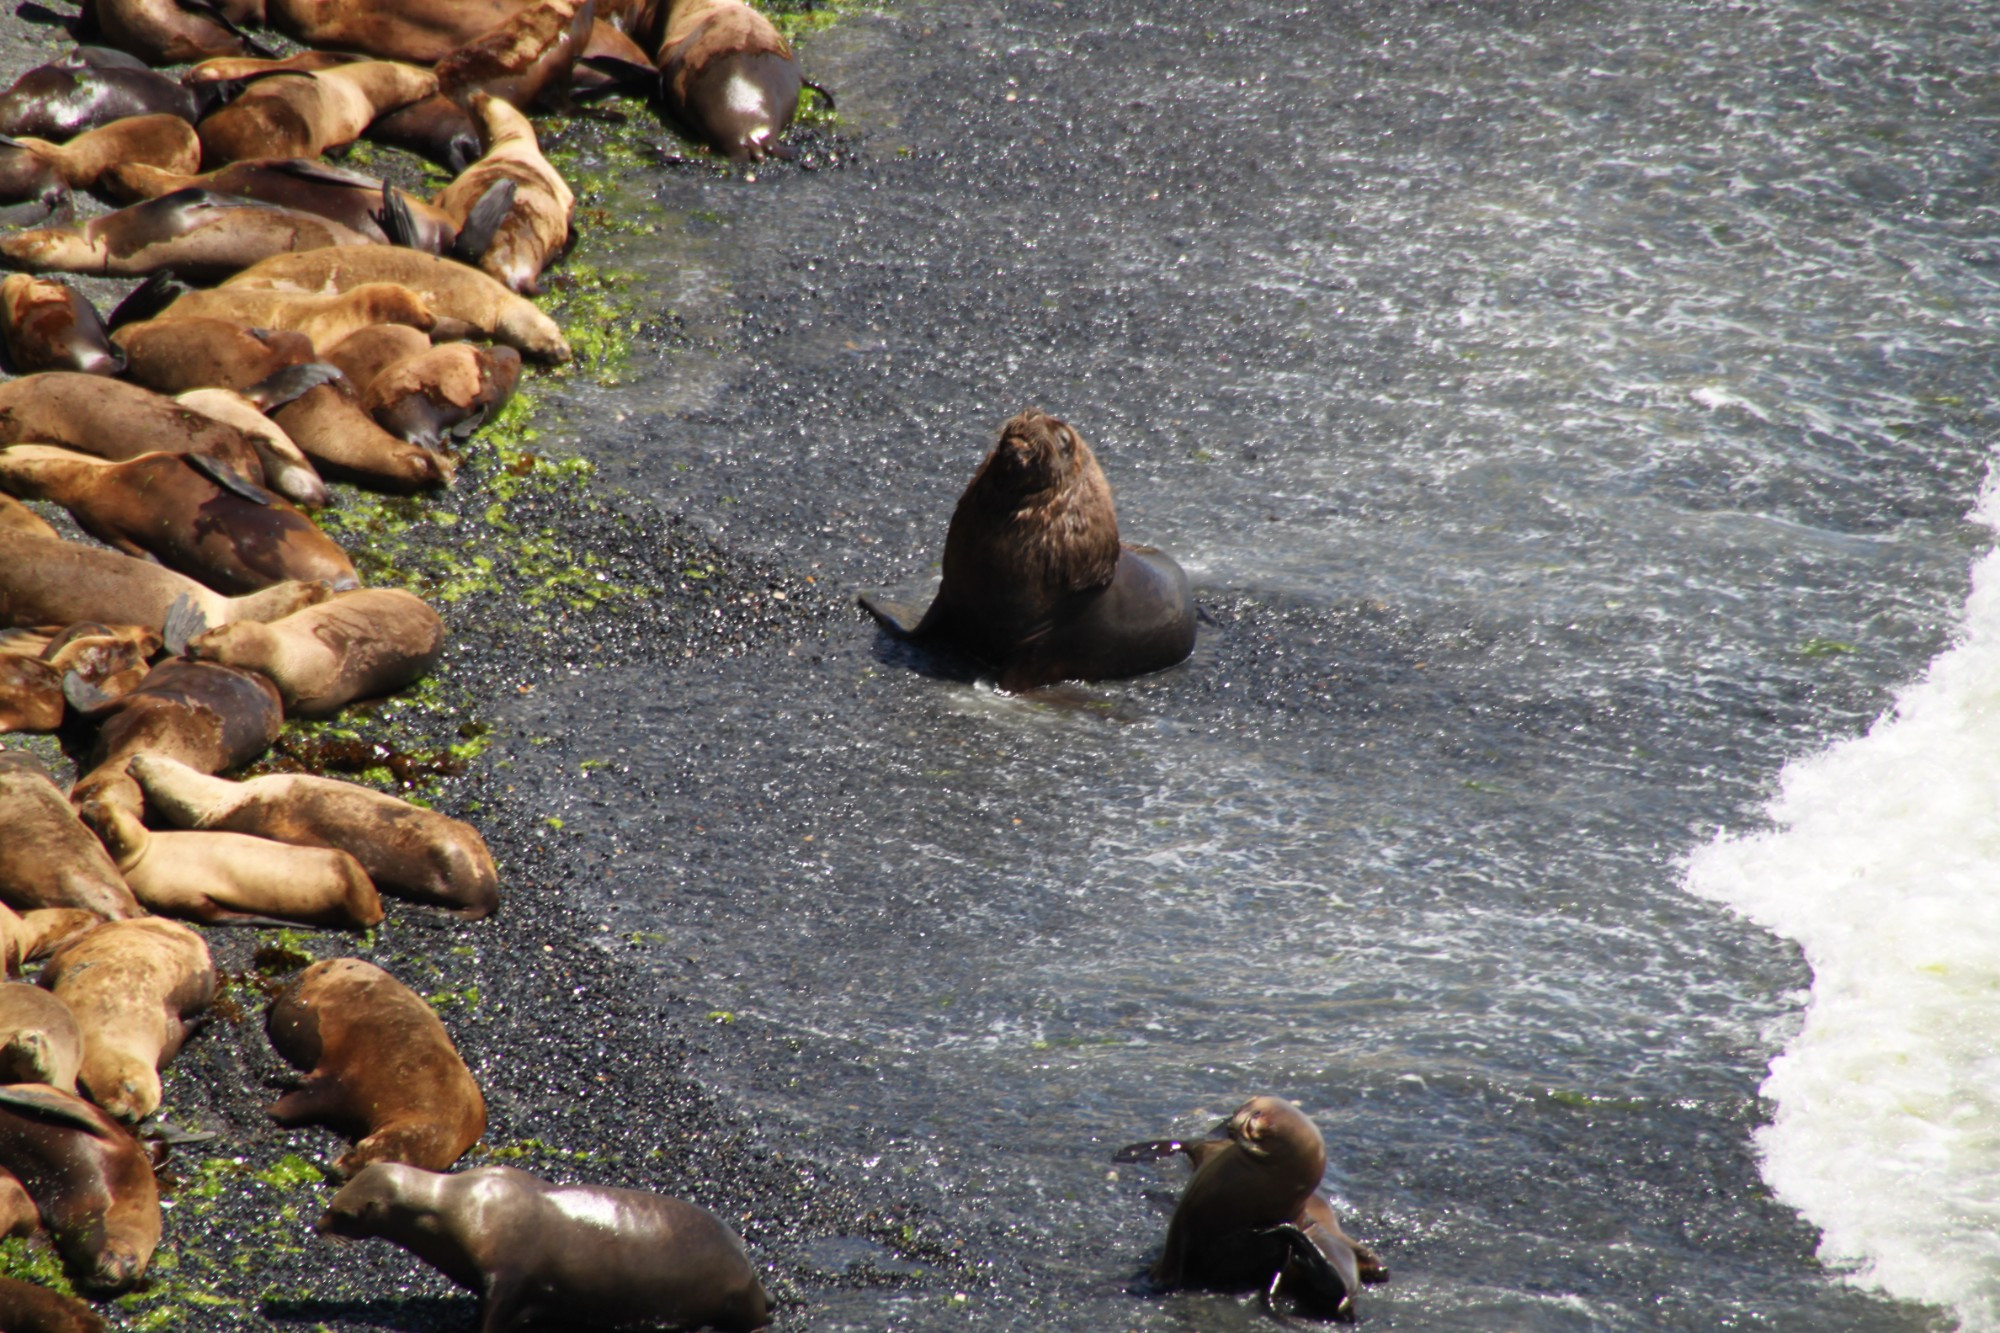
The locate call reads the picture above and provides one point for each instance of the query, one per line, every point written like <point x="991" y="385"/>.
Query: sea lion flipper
<point x="172" y="1135"/>
<point x="629" y="74"/>
<point x="395" y="220"/>
<point x="48" y="1104"/>
<point x="229" y="479"/>
<point x="483" y="220"/>
<point x="899" y="618"/>
<point x="82" y="695"/>
<point x="808" y="83"/>
<point x="1310" y="1275"/>
<point x="1150" y="1151"/>
<point x="293" y="382"/>
<point x="148" y="299"/>
<point x="185" y="621"/>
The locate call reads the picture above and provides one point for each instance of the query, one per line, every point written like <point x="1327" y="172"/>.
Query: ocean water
<point x="1571" y="417"/>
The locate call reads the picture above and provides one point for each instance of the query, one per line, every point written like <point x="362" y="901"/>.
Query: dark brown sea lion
<point x="185" y="511"/>
<point x="325" y="317"/>
<point x="525" y="60"/>
<point x="381" y="1069"/>
<point x="116" y="421"/>
<point x="286" y="467"/>
<point x="32" y="190"/>
<point x="28" y="1308"/>
<point x="208" y="716"/>
<point x="49" y="858"/>
<point x="435" y="128"/>
<point x="305" y="114"/>
<point x="359" y="645"/>
<point x="161" y="142"/>
<point x="90" y="1179"/>
<point x="447" y="392"/>
<point x="88" y="88"/>
<point x="451" y="289"/>
<point x="220" y="878"/>
<point x="1036" y="583"/>
<point x="535" y="229"/>
<point x="588" y="1254"/>
<point x="407" y="850"/>
<point x="200" y="237"/>
<point x="728" y="77"/>
<point x="53" y="582"/>
<point x="1252" y="1217"/>
<point x="134" y="987"/>
<point x="609" y="43"/>
<point x="49" y="325"/>
<point x="39" y="1039"/>
<point x="353" y="200"/>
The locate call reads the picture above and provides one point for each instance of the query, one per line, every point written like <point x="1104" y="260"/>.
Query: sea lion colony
<point x="328" y="338"/>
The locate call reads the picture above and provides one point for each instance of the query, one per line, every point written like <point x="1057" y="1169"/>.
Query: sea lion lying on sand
<point x="199" y="236"/>
<point x="51" y="582"/>
<point x="52" y="859"/>
<point x="90" y="1179"/>
<point x="49" y="325"/>
<point x="516" y="246"/>
<point x="359" y="645"/>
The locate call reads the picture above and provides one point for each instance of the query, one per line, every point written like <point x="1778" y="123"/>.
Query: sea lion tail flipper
<point x="83" y="696"/>
<point x="293" y="382"/>
<point x="395" y="220"/>
<point x="629" y="74"/>
<point x="483" y="220"/>
<point x="229" y="479"/>
<point x="185" y="621"/>
<point x="34" y="13"/>
<point x="168" y="1133"/>
<point x="1310" y="1275"/>
<point x="825" y="96"/>
<point x="1150" y="1151"/>
<point x="148" y="299"/>
<point x="900" y="619"/>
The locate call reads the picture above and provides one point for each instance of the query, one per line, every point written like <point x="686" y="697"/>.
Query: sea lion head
<point x="1273" y="1130"/>
<point x="370" y="1204"/>
<point x="1042" y="485"/>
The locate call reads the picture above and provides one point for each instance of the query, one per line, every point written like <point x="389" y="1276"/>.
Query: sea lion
<point x="304" y="114"/>
<point x="111" y="659"/>
<point x="324" y="317"/>
<point x="366" y="353"/>
<point x="533" y="1251"/>
<point x="447" y="392"/>
<point x="345" y="443"/>
<point x="223" y="878"/>
<point x="1252" y="1217"/>
<point x="134" y="987"/>
<point x="31" y="695"/>
<point x="407" y="850"/>
<point x="167" y="32"/>
<point x="355" y="201"/>
<point x="728" y="78"/>
<point x="29" y="1308"/>
<point x="359" y="645"/>
<point x="29" y="937"/>
<point x="32" y="189"/>
<point x="381" y="1068"/>
<point x="113" y="420"/>
<point x="536" y="227"/>
<point x="236" y="69"/>
<point x="525" y="60"/>
<point x="175" y="356"/>
<point x="200" y="237"/>
<point x="185" y="511"/>
<point x="49" y="325"/>
<point x="388" y="30"/>
<point x="159" y="142"/>
<point x="451" y="289"/>
<point x="286" y="467"/>
<point x="87" y="88"/>
<point x="208" y="716"/>
<point x="18" y="1214"/>
<point x="39" y="1039"/>
<point x="608" y="43"/>
<point x="1036" y="583"/>
<point x="53" y="582"/>
<point x="90" y="1179"/>
<point x="436" y="129"/>
<point x="18" y="518"/>
<point x="49" y="858"/>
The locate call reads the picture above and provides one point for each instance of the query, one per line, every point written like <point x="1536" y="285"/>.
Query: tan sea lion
<point x="221" y="878"/>
<point x="451" y="289"/>
<point x="345" y="443"/>
<point x="447" y="392"/>
<point x="160" y="142"/>
<point x="421" y="34"/>
<point x="39" y="1039"/>
<point x="525" y="60"/>
<point x="235" y="69"/>
<point x="536" y="227"/>
<point x="324" y="317"/>
<point x="1252" y="1217"/>
<point x="1036" y="583"/>
<point x="359" y="645"/>
<point x="90" y="1179"/>
<point x="381" y="1068"/>
<point x="304" y="114"/>
<point x="113" y="420"/>
<point x="407" y="850"/>
<point x="29" y="937"/>
<point x="111" y="659"/>
<point x="286" y="467"/>
<point x="49" y="858"/>
<point x="728" y="77"/>
<point x="18" y="518"/>
<point x="208" y="716"/>
<point x="53" y="582"/>
<point x="49" y="325"/>
<point x="185" y="511"/>
<point x="174" y="356"/>
<point x="365" y="353"/>
<point x="355" y="201"/>
<point x="589" y="1254"/>
<point x="31" y="694"/>
<point x="29" y="1308"/>
<point x="89" y="87"/>
<point x="134" y="986"/>
<point x="200" y="237"/>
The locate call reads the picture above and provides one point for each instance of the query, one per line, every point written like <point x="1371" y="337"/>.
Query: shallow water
<point x="1568" y="415"/>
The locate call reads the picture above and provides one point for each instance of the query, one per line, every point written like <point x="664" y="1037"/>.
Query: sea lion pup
<point x="134" y="986"/>
<point x="534" y="1252"/>
<point x="445" y="393"/>
<point x="89" y="87"/>
<point x="359" y="645"/>
<point x="201" y="237"/>
<point x="525" y="60"/>
<point x="49" y="325"/>
<point x="435" y="129"/>
<point x="54" y="582"/>
<point x="1036" y="583"/>
<point x="50" y="859"/>
<point x="380" y="1068"/>
<point x="30" y="1308"/>
<point x="39" y="1039"/>
<point x="324" y="317"/>
<point x="185" y="511"/>
<point x="90" y="1179"/>
<point x="159" y="142"/>
<point x="728" y="78"/>
<point x="355" y="201"/>
<point x="407" y="850"/>
<point x="1252" y="1217"/>
<point x="226" y="878"/>
<point x="346" y="444"/>
<point x="304" y="114"/>
<point x="286" y="467"/>
<point x="536" y="226"/>
<point x="451" y="289"/>
<point x="113" y="420"/>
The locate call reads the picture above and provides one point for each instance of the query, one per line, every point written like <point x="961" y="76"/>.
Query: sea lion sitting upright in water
<point x="589" y="1254"/>
<point x="1036" y="583"/>
<point x="1253" y="1218"/>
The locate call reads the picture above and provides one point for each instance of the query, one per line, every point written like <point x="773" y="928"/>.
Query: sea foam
<point x="1884" y="866"/>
